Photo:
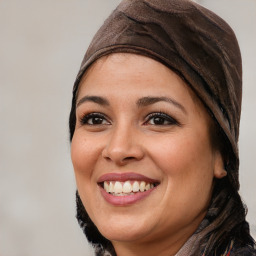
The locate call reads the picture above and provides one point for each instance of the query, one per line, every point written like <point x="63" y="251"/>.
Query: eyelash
<point x="163" y="118"/>
<point x="84" y="120"/>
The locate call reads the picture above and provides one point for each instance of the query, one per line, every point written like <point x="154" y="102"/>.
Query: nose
<point x="123" y="146"/>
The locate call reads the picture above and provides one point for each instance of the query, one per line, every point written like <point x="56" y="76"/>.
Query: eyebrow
<point x="142" y="102"/>
<point x="95" y="99"/>
<point x="146" y="101"/>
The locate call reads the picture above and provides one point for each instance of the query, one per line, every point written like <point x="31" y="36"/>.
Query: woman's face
<point x="141" y="151"/>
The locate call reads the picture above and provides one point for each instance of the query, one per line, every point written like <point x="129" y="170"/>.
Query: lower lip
<point x="125" y="200"/>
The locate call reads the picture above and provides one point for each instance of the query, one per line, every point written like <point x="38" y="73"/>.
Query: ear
<point x="219" y="169"/>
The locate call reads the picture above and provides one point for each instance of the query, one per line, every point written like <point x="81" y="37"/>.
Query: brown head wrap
<point x="192" y="41"/>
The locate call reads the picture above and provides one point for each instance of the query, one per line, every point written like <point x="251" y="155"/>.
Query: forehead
<point x="126" y="70"/>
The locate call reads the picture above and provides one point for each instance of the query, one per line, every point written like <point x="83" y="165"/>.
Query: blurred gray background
<point x="41" y="46"/>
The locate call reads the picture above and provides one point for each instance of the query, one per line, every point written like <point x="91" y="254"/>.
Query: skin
<point x="177" y="153"/>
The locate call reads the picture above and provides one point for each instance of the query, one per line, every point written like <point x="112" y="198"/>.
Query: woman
<point x="154" y="127"/>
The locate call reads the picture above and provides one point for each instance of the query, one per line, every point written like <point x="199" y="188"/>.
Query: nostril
<point x="107" y="158"/>
<point x="129" y="158"/>
<point x="122" y="155"/>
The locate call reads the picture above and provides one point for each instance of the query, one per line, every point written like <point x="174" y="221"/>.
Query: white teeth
<point x="111" y="187"/>
<point x="118" y="188"/>
<point x="106" y="186"/>
<point x="142" y="186"/>
<point x="147" y="187"/>
<point x="124" y="194"/>
<point x="136" y="186"/>
<point x="127" y="187"/>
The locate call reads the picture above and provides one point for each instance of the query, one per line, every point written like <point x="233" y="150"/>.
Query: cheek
<point x="177" y="151"/>
<point x="84" y="155"/>
<point x="187" y="162"/>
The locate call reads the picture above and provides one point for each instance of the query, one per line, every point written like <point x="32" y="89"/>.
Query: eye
<point x="94" y="119"/>
<point x="160" y="119"/>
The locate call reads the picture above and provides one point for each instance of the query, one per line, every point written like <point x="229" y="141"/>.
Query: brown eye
<point x="94" y="119"/>
<point x="160" y="119"/>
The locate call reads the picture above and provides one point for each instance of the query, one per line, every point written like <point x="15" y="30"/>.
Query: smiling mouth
<point x="119" y="188"/>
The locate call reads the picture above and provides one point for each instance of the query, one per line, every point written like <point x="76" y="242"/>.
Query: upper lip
<point x="124" y="177"/>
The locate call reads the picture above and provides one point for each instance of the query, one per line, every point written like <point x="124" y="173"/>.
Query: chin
<point x="123" y="235"/>
<point x="126" y="229"/>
